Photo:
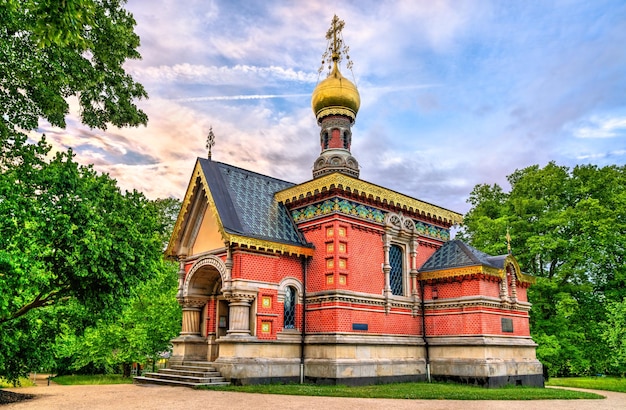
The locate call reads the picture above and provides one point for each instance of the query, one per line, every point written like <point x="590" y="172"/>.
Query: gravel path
<point x="136" y="397"/>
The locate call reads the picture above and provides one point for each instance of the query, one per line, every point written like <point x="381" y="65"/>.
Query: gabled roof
<point x="243" y="202"/>
<point x="455" y="256"/>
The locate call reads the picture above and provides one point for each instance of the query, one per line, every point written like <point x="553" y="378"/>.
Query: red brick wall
<point x="360" y="249"/>
<point x="474" y="321"/>
<point x="470" y="320"/>
<point x="339" y="317"/>
<point x="265" y="268"/>
<point x="209" y="317"/>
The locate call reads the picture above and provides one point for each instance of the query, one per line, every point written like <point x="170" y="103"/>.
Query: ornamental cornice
<point x="462" y="271"/>
<point x="271" y="246"/>
<point x="389" y="221"/>
<point x="193" y="303"/>
<point x="369" y="190"/>
<point x="358" y="300"/>
<point x="331" y="296"/>
<point x="242" y="296"/>
<point x="325" y="112"/>
<point x="479" y="302"/>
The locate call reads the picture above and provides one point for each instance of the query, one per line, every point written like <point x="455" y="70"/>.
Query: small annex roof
<point x="246" y="210"/>
<point x="455" y="256"/>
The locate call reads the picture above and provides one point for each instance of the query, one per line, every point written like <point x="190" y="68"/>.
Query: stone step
<point x="180" y="378"/>
<point x="190" y="374"/>
<point x="193" y="368"/>
<point x="196" y="363"/>
<point x="195" y="373"/>
<point x="151" y="380"/>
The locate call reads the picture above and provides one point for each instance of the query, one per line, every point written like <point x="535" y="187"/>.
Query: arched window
<point x="396" y="260"/>
<point x="325" y="140"/>
<point x="290" y="308"/>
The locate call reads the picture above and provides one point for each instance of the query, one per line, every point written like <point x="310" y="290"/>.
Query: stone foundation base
<point x="189" y="348"/>
<point x="361" y="360"/>
<point x="486" y="361"/>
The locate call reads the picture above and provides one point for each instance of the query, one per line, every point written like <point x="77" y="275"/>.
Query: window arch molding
<point x="401" y="234"/>
<point x="282" y="289"/>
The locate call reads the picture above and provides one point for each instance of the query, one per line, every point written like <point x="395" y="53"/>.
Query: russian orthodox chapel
<point x="339" y="280"/>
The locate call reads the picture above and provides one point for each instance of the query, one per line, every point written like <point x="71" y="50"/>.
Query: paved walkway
<point x="136" y="397"/>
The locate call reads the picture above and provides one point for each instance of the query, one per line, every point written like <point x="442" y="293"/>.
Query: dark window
<point x="290" y="308"/>
<point x="397" y="268"/>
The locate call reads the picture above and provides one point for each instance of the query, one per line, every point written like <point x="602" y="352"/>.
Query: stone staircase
<point x="189" y="374"/>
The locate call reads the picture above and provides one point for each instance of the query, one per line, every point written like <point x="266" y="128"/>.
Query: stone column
<point x="181" y="277"/>
<point x="513" y="287"/>
<point x="239" y="314"/>
<point x="413" y="273"/>
<point x="386" y="271"/>
<point x="191" y="316"/>
<point x="229" y="268"/>
<point x="504" y="293"/>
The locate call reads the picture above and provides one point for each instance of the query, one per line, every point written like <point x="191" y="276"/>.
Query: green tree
<point x="66" y="233"/>
<point x="568" y="228"/>
<point x="142" y="331"/>
<point x="149" y="319"/>
<point x="51" y="50"/>
<point x="68" y="236"/>
<point x="615" y="332"/>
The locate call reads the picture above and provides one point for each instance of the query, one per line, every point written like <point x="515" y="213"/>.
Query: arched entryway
<point x="205" y="312"/>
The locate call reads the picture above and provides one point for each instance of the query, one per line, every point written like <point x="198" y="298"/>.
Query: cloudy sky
<point x="453" y="93"/>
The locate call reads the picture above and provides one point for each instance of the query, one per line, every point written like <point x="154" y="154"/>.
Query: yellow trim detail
<point x="269" y="245"/>
<point x="184" y="209"/>
<point x="521" y="277"/>
<point x="463" y="271"/>
<point x="479" y="269"/>
<point x="350" y="184"/>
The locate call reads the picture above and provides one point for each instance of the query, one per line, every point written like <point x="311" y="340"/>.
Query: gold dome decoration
<point x="336" y="95"/>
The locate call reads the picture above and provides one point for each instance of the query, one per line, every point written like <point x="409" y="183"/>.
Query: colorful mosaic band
<point x="343" y="206"/>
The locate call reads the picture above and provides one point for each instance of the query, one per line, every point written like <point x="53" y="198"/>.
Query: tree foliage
<point x="568" y="228"/>
<point x="67" y="233"/>
<point x="615" y="333"/>
<point x="71" y="244"/>
<point x="51" y="50"/>
<point x="149" y="319"/>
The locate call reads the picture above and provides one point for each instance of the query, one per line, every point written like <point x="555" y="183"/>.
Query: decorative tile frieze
<point x="360" y="211"/>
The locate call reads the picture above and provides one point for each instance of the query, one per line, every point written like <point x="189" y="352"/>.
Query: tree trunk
<point x="126" y="370"/>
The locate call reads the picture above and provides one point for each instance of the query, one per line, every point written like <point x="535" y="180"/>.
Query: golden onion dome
<point x="335" y="95"/>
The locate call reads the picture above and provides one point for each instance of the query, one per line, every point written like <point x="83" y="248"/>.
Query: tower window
<point x="325" y="141"/>
<point x="396" y="260"/>
<point x="290" y="308"/>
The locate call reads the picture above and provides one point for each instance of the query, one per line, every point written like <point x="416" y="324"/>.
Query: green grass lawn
<point x="432" y="391"/>
<point x="428" y="391"/>
<point x="93" y="379"/>
<point x="596" y="383"/>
